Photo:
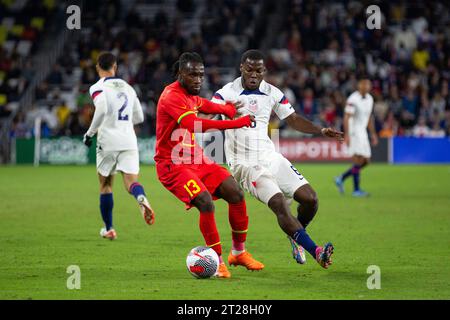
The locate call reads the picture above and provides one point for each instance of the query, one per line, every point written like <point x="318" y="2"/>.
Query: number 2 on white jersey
<point x="124" y="105"/>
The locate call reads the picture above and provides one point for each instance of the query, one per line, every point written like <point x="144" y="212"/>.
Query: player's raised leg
<point x="237" y="214"/>
<point x="308" y="204"/>
<point x="204" y="203"/>
<point x="297" y="233"/>
<point x="306" y="211"/>
<point x="137" y="190"/>
<point x="287" y="222"/>
<point x="106" y="206"/>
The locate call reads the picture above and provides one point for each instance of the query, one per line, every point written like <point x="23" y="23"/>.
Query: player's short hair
<point x="252" y="55"/>
<point x="184" y="59"/>
<point x="106" y="60"/>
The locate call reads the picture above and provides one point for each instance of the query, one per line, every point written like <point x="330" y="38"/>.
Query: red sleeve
<point x="194" y="124"/>
<point x="209" y="107"/>
<point x="176" y="105"/>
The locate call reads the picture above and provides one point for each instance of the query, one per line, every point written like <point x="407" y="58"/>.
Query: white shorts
<point x="359" y="145"/>
<point x="109" y="162"/>
<point x="263" y="181"/>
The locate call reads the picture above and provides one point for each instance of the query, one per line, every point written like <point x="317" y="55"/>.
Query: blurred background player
<point x="262" y="171"/>
<point x="187" y="172"/>
<point x="117" y="110"/>
<point x="357" y="119"/>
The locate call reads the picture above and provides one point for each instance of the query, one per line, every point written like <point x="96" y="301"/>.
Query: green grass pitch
<point x="49" y="220"/>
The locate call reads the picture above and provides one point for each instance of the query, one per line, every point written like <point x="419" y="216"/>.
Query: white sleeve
<point x="350" y="105"/>
<point x="218" y="97"/>
<point x="282" y="107"/>
<point x="100" y="111"/>
<point x="138" y="114"/>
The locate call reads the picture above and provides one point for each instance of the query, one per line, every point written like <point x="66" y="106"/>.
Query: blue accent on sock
<point x="137" y="189"/>
<point x="303" y="239"/>
<point x="106" y="208"/>
<point x="346" y="174"/>
<point x="356" y="177"/>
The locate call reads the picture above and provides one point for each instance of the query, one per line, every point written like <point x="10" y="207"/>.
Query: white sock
<point x="236" y="252"/>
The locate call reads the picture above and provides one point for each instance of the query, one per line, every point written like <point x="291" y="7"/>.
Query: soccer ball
<point x="202" y="262"/>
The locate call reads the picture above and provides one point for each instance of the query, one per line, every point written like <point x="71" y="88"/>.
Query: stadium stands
<point x="315" y="52"/>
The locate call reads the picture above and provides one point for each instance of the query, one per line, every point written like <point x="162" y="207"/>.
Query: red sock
<point x="237" y="215"/>
<point x="209" y="231"/>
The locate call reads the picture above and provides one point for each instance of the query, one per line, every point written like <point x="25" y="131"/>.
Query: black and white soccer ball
<point x="202" y="262"/>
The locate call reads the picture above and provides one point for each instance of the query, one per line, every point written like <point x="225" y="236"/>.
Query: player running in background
<point x="357" y="119"/>
<point x="185" y="171"/>
<point x="262" y="171"/>
<point x="117" y="110"/>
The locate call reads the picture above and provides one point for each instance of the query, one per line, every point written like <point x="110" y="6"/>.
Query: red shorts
<point x="186" y="181"/>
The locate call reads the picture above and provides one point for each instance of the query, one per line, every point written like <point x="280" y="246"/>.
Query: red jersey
<point x="171" y="139"/>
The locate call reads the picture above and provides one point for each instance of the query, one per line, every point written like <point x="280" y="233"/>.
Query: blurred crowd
<point x="21" y="27"/>
<point x="325" y="46"/>
<point x="316" y="57"/>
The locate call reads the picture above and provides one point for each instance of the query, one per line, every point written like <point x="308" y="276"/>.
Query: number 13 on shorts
<point x="192" y="187"/>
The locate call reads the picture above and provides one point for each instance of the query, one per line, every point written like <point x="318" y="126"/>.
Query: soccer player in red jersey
<point x="185" y="171"/>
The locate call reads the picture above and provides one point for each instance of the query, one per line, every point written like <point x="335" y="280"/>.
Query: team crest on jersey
<point x="117" y="84"/>
<point x="252" y="105"/>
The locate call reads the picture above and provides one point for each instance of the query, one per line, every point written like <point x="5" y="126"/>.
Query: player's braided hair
<point x="184" y="59"/>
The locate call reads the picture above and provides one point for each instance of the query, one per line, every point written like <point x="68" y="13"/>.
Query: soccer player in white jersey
<point x="262" y="171"/>
<point x="117" y="110"/>
<point x="358" y="118"/>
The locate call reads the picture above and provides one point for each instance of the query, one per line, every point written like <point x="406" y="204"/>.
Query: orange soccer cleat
<point x="223" y="271"/>
<point x="245" y="259"/>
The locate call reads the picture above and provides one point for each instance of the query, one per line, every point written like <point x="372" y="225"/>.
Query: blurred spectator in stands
<point x="436" y="131"/>
<point x="5" y="111"/>
<point x="380" y="108"/>
<point x="62" y="113"/>
<point x="390" y="126"/>
<point x="420" y="57"/>
<point x="19" y="127"/>
<point x="308" y="104"/>
<point x="55" y="77"/>
<point x="421" y="129"/>
<point x="437" y="105"/>
<point x="410" y="103"/>
<point x="405" y="38"/>
<point x="394" y="101"/>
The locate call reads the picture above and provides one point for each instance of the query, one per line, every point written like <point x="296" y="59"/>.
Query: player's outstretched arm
<point x="194" y="124"/>
<point x="302" y="124"/>
<point x="208" y="107"/>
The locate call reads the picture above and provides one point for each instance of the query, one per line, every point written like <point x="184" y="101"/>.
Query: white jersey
<point x="252" y="145"/>
<point x="360" y="108"/>
<point x="117" y="109"/>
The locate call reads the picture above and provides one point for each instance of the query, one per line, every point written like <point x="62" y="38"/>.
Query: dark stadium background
<point x="315" y="51"/>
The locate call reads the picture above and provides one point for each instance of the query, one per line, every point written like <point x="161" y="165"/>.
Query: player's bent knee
<point x="278" y="204"/>
<point x="237" y="196"/>
<point x="204" y="202"/>
<point x="311" y="200"/>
